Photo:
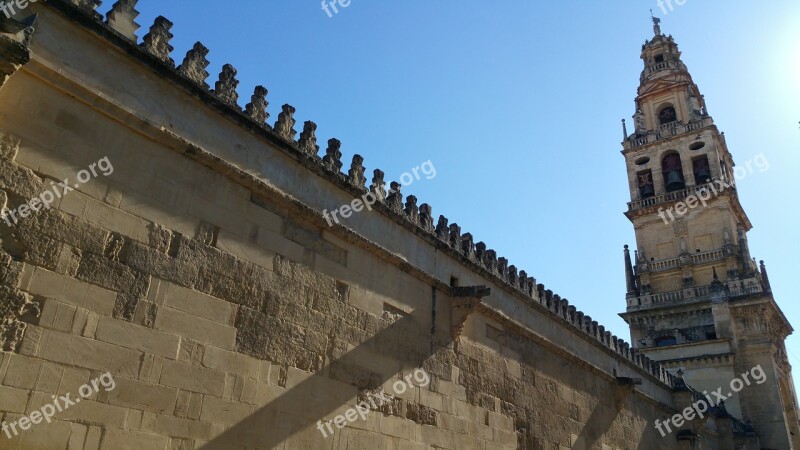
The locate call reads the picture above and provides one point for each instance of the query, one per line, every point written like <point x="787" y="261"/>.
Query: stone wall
<point x="201" y="275"/>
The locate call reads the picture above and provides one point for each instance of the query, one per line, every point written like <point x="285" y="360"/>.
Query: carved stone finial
<point x="285" y="124"/>
<point x="377" y="186"/>
<point x="194" y="65"/>
<point x="412" y="213"/>
<point x="87" y="5"/>
<point x="455" y="236"/>
<point x="512" y="275"/>
<point x="480" y="252"/>
<point x="257" y="108"/>
<point x="442" y="231"/>
<point x="395" y="198"/>
<point x="426" y="217"/>
<point x="225" y="88"/>
<point x="467" y="246"/>
<point x="502" y="267"/>
<point x="555" y="301"/>
<point x="356" y="172"/>
<point x="333" y="155"/>
<point x="156" y="42"/>
<point x="308" y="139"/>
<point x="121" y="18"/>
<point x="491" y="261"/>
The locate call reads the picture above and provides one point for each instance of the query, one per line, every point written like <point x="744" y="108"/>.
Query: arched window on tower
<point x="702" y="172"/>
<point x="667" y="115"/>
<point x="673" y="172"/>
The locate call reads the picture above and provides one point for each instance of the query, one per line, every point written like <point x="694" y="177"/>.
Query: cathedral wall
<point x="198" y="274"/>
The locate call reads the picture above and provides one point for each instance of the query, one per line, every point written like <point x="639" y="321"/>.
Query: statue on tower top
<point x="656" y="24"/>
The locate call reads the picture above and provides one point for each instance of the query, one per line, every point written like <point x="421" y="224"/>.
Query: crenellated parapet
<point x="156" y="49"/>
<point x="122" y="18"/>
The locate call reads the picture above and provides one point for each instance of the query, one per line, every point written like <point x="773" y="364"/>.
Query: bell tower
<point x="696" y="299"/>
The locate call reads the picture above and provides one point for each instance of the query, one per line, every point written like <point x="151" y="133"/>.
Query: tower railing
<point x="669" y="196"/>
<point x="732" y="289"/>
<point x="674" y="263"/>
<point x="707" y="257"/>
<point x="666" y="131"/>
<point x="663" y="65"/>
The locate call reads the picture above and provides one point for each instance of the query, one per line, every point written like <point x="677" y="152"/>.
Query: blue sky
<point x="519" y="108"/>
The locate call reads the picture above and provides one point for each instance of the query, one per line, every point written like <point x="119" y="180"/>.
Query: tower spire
<point x="630" y="279"/>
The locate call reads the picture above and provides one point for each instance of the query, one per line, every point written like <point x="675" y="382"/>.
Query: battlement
<point x="120" y="28"/>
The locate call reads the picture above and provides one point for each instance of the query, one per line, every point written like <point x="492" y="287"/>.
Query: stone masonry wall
<point x="200" y="276"/>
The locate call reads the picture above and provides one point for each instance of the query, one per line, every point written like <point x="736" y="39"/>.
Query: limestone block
<point x="245" y="249"/>
<point x="77" y="436"/>
<point x="113" y="275"/>
<point x="234" y="385"/>
<point x="68" y="229"/>
<point x="309" y="438"/>
<point x="504" y="437"/>
<point x="49" y="284"/>
<point x="57" y="316"/>
<point x="49" y="378"/>
<point x="193" y="378"/>
<point x="152" y="261"/>
<point x="398" y="427"/>
<point x="359" y="440"/>
<point x="500" y="421"/>
<point x="175" y="426"/>
<point x="14" y="400"/>
<point x="431" y="399"/>
<point x="79" y="325"/>
<point x="93" y="436"/>
<point x="137" y="337"/>
<point x="277" y="243"/>
<point x="31" y="341"/>
<point x="151" y="369"/>
<point x="493" y="446"/>
<point x="195" y="405"/>
<point x="134" y="419"/>
<point x="95" y="413"/>
<point x="88" y="353"/>
<point x="391" y="443"/>
<point x="191" y="352"/>
<point x="437" y="437"/>
<point x="46" y="435"/>
<point x="225" y="411"/>
<point x="182" y="403"/>
<point x="264" y="394"/>
<point x="101" y="214"/>
<point x="19" y="180"/>
<point x="466" y="441"/>
<point x="195" y="327"/>
<point x="453" y="423"/>
<point x="143" y="396"/>
<point x="196" y="303"/>
<point x="118" y="439"/>
<point x="22" y="372"/>
<point x="228" y="361"/>
<point x="480" y="431"/>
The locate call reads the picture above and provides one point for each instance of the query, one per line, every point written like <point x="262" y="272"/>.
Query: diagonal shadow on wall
<point x="296" y="409"/>
<point x="603" y="416"/>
